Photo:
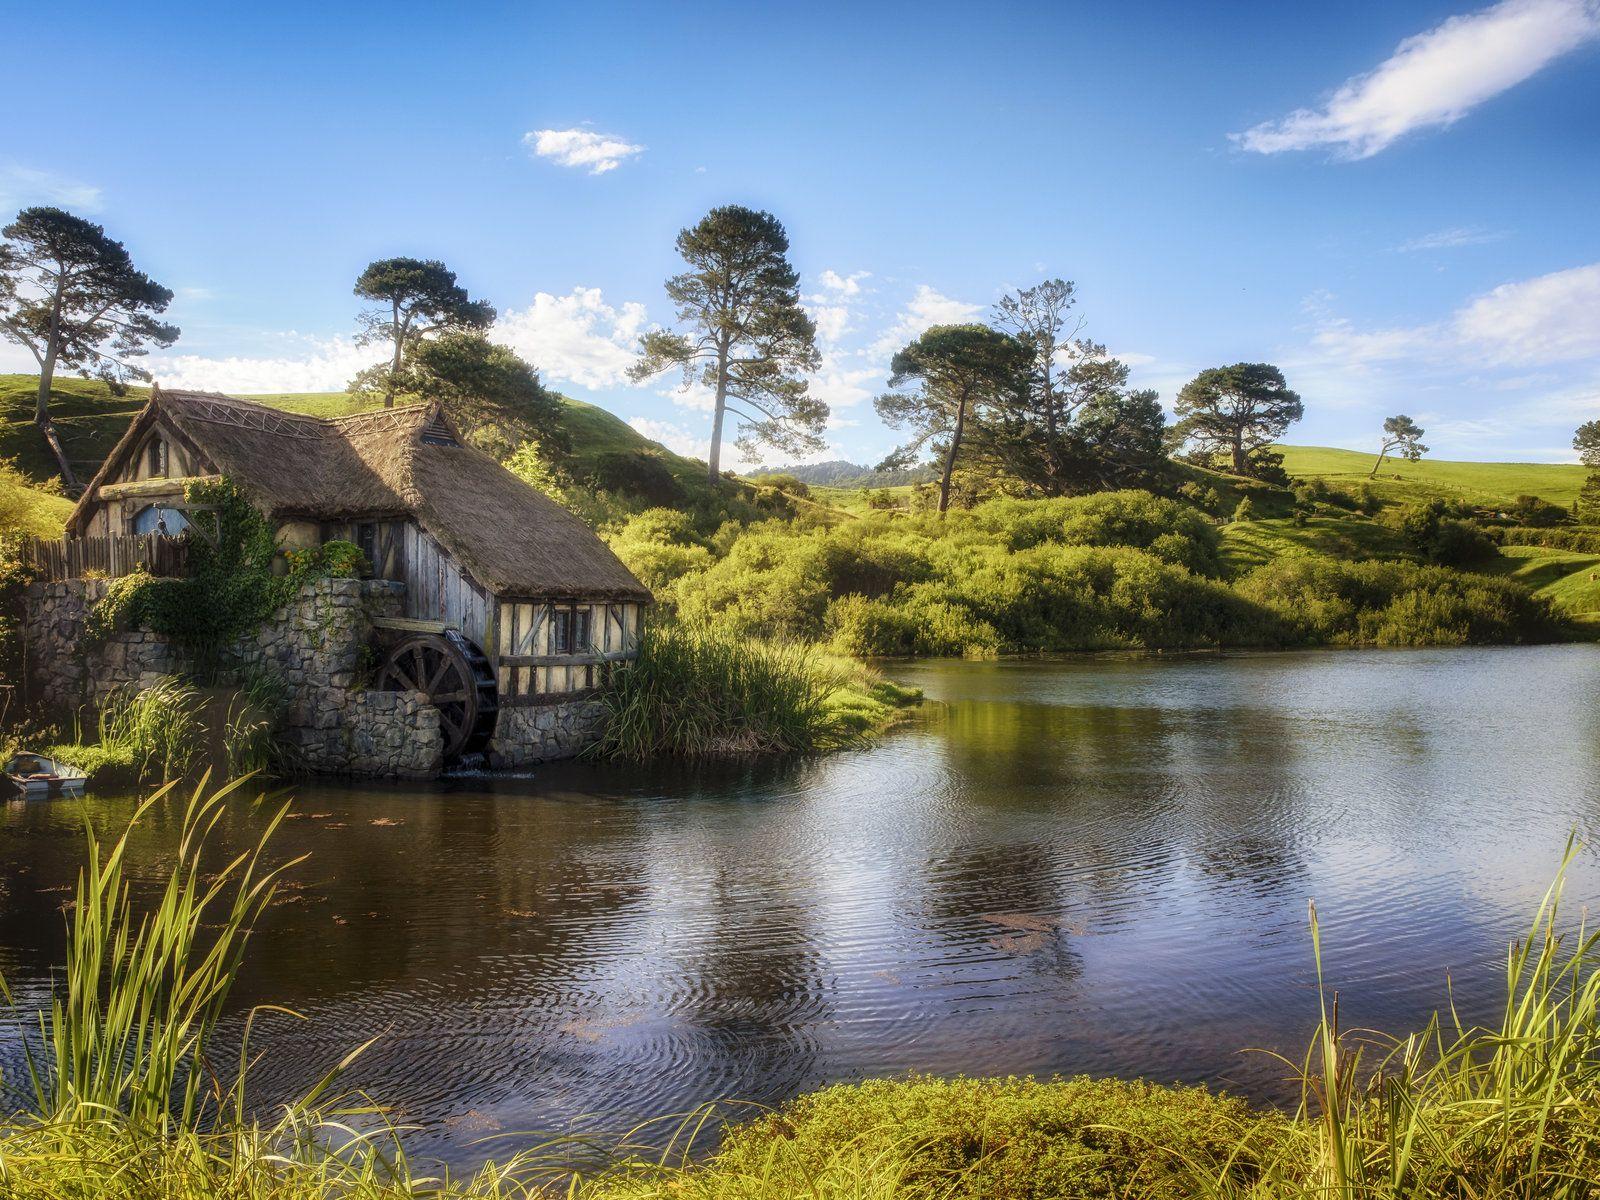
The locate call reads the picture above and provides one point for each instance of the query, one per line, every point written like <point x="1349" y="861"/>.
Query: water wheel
<point x="455" y="676"/>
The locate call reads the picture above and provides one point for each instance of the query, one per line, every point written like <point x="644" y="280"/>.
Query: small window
<point x="157" y="457"/>
<point x="158" y="518"/>
<point x="571" y="632"/>
<point x="367" y="542"/>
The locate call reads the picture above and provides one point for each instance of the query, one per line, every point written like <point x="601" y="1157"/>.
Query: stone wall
<point x="541" y="733"/>
<point x="318" y="645"/>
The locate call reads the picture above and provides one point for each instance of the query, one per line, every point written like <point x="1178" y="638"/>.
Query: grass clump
<point x="1024" y="1139"/>
<point x="702" y="694"/>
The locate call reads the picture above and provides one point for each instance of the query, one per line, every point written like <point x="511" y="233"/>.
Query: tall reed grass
<point x="700" y="694"/>
<point x="161" y="727"/>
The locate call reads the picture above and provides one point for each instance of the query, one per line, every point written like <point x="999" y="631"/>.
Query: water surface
<point x="1099" y="865"/>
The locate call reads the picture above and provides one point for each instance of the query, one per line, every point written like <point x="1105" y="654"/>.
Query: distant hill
<point x="839" y="473"/>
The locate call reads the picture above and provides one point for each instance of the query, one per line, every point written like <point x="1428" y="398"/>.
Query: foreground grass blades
<point x="126" y="1099"/>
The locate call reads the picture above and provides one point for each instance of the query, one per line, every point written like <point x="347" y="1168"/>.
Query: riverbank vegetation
<point x="696" y="693"/>
<point x="128" y="1092"/>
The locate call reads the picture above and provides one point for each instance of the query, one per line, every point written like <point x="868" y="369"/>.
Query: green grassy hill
<point x="1483" y="483"/>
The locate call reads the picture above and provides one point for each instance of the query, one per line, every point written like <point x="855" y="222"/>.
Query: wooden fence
<point x="73" y="558"/>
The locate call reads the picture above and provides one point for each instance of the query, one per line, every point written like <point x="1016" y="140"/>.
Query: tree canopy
<point x="1401" y="436"/>
<point x="414" y="298"/>
<point x="948" y="376"/>
<point x="73" y="297"/>
<point x="1586" y="441"/>
<point x="1236" y="411"/>
<point x="491" y="393"/>
<point x="744" y="335"/>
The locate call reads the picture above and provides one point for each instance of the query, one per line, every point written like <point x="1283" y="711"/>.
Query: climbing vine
<point x="230" y="588"/>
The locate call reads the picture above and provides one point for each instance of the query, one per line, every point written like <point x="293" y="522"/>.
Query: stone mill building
<point x="489" y="619"/>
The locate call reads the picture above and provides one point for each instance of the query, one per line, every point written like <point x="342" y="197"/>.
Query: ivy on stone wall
<point x="230" y="588"/>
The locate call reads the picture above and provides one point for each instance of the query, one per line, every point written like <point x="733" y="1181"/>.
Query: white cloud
<point x="1435" y="78"/>
<point x="674" y="437"/>
<point x="840" y="386"/>
<point x="576" y="338"/>
<point x="310" y="364"/>
<point x="925" y="309"/>
<point x="833" y="320"/>
<point x="599" y="152"/>
<point x="697" y="397"/>
<point x="1449" y="239"/>
<point x="845" y="285"/>
<point x="21" y="186"/>
<point x="1553" y="318"/>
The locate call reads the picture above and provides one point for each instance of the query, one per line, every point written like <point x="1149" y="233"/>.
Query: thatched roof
<point x="389" y="463"/>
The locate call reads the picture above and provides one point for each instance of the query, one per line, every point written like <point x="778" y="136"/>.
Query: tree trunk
<point x="1372" y="474"/>
<point x="1241" y="462"/>
<point x="394" y="365"/>
<point x="47" y="377"/>
<point x="52" y="350"/>
<point x="714" y="456"/>
<point x="950" y="457"/>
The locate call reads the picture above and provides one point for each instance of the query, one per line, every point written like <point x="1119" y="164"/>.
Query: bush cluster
<point x="1118" y="570"/>
<point x="1331" y="602"/>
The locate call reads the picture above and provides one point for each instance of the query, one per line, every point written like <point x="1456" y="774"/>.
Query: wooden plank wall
<point x="437" y="589"/>
<point x="527" y="666"/>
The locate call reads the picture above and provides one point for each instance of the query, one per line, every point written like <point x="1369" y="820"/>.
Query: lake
<point x="1092" y="865"/>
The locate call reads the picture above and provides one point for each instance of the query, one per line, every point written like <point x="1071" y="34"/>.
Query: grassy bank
<point x="703" y="694"/>
<point x="126" y="1094"/>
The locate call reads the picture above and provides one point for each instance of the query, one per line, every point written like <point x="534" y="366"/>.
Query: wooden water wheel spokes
<point x="455" y="677"/>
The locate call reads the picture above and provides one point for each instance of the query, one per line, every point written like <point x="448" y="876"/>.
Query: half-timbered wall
<point x="534" y="667"/>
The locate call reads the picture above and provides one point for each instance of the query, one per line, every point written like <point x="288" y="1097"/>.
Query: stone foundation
<point x="545" y="732"/>
<point x="319" y="645"/>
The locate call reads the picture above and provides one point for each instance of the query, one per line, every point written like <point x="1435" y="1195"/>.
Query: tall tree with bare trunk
<point x="73" y="297"/>
<point x="948" y="377"/>
<point x="745" y="337"/>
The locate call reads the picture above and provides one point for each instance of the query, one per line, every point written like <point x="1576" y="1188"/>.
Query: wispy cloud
<point x="1435" y="78"/>
<point x="1543" y="321"/>
<point x="1449" y="239"/>
<point x="21" y="186"/>
<point x="597" y="152"/>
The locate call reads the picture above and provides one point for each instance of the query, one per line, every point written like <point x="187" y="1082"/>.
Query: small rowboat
<point x="33" y="777"/>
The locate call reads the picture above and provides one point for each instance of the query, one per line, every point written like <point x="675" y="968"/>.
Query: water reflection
<point x="1093" y="865"/>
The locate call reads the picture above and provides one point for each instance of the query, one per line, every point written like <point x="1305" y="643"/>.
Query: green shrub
<point x="1585" y="541"/>
<point x="636" y="473"/>
<point x="1021" y="1139"/>
<point x="1325" y="600"/>
<point x="1537" y="512"/>
<point x="1246" y="511"/>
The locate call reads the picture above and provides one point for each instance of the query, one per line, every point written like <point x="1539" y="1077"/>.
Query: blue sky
<point x="1395" y="202"/>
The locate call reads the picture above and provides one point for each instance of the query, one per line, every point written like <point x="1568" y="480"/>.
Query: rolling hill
<point x="1486" y="483"/>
